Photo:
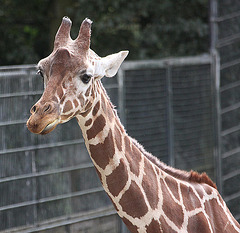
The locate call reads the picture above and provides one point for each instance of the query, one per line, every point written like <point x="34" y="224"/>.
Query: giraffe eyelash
<point x="39" y="72"/>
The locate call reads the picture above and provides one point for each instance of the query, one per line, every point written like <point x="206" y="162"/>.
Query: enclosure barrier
<point x="49" y="183"/>
<point x="225" y="42"/>
<point x="46" y="182"/>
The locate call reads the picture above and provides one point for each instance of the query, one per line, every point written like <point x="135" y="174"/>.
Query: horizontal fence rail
<point x="49" y="182"/>
<point x="45" y="182"/>
<point x="165" y="105"/>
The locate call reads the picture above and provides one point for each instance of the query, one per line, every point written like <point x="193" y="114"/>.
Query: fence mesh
<point x="225" y="17"/>
<point x="146" y="109"/>
<point x="44" y="179"/>
<point x="169" y="109"/>
<point x="193" y="118"/>
<point x="49" y="182"/>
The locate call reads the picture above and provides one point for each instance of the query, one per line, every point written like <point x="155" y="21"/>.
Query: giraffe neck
<point x="148" y="195"/>
<point x="122" y="168"/>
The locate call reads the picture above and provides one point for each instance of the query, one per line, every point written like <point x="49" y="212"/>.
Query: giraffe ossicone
<point x="148" y="195"/>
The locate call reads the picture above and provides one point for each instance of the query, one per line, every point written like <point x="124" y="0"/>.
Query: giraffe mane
<point x="109" y="100"/>
<point x="191" y="176"/>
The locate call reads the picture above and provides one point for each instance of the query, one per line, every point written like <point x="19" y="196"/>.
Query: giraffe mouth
<point x="50" y="127"/>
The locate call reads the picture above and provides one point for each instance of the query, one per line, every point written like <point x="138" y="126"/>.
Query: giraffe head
<point x="70" y="74"/>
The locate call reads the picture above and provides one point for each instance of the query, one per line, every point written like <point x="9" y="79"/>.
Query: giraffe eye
<point x="39" y="72"/>
<point x="86" y="78"/>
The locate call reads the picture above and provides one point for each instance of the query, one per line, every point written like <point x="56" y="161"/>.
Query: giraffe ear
<point x="111" y="63"/>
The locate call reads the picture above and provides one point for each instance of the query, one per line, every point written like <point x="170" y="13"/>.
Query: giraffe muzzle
<point x="42" y="126"/>
<point x="43" y="119"/>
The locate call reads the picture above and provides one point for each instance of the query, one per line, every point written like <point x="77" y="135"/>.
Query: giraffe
<point x="148" y="195"/>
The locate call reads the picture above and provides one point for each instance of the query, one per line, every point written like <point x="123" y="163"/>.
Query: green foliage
<point x="24" y="31"/>
<point x="149" y="29"/>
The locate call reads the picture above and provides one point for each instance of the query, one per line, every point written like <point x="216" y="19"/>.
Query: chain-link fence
<point x="48" y="183"/>
<point x="225" y="22"/>
<point x="169" y="109"/>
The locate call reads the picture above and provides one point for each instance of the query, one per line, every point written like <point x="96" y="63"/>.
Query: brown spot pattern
<point x="199" y="190"/>
<point x="132" y="228"/>
<point x="220" y="199"/>
<point x="154" y="226"/>
<point x="150" y="184"/>
<point x="208" y="189"/>
<point x="127" y="143"/>
<point x="173" y="186"/>
<point x="165" y="227"/>
<point x="76" y="113"/>
<point x="107" y="108"/>
<point x="103" y="152"/>
<point x="88" y="122"/>
<point x="117" y="180"/>
<point x="66" y="117"/>
<point x="88" y="106"/>
<point x="93" y="94"/>
<point x="171" y="209"/>
<point x="84" y="114"/>
<point x="68" y="106"/>
<point x="133" y="202"/>
<point x="110" y="114"/>
<point x="136" y="151"/>
<point x="103" y="103"/>
<point x="63" y="99"/>
<point x="75" y="103"/>
<point x="133" y="158"/>
<point x="64" y="84"/>
<point x="96" y="108"/>
<point x="118" y="138"/>
<point x="229" y="227"/>
<point x="97" y="127"/>
<point x="88" y="91"/>
<point x="120" y="126"/>
<point x="190" y="200"/>
<point x="55" y="99"/>
<point x="217" y="219"/>
<point x="198" y="223"/>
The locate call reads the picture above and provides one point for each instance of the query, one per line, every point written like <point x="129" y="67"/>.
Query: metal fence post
<point x="217" y="116"/>
<point x="215" y="73"/>
<point x="171" y="159"/>
<point x="213" y="24"/>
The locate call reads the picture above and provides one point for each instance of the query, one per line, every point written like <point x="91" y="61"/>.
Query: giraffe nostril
<point x="33" y="109"/>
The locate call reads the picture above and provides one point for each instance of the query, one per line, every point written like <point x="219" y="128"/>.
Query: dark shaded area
<point x="148" y="29"/>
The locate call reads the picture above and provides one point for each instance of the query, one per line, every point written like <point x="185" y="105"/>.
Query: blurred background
<point x="148" y="29"/>
<point x="177" y="93"/>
